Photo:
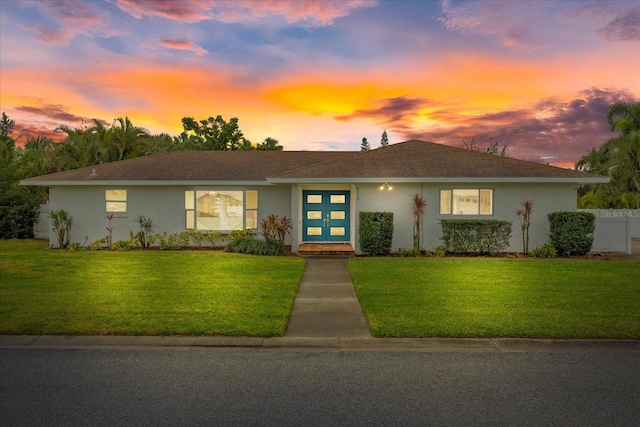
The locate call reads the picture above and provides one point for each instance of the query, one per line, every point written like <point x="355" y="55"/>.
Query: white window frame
<point x="115" y="197"/>
<point x="249" y="209"/>
<point x="448" y="195"/>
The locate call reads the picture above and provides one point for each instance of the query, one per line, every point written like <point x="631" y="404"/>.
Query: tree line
<point x="93" y="144"/>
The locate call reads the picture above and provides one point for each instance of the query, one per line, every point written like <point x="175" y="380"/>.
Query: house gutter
<point x="529" y="180"/>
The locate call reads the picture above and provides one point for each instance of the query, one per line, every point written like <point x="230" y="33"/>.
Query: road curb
<point x="485" y="345"/>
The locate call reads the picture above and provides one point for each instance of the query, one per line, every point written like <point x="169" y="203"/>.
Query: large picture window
<point x="221" y="210"/>
<point x="115" y="201"/>
<point x="466" y="201"/>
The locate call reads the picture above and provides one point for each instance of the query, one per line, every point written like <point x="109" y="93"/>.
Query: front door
<point x="325" y="216"/>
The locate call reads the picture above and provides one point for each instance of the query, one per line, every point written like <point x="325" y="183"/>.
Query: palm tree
<point x="129" y="140"/>
<point x="77" y="150"/>
<point x="38" y="157"/>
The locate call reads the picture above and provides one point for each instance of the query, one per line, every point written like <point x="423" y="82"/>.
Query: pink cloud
<point x="187" y="11"/>
<point x="314" y="13"/>
<point x="184" y="45"/>
<point x="73" y="17"/>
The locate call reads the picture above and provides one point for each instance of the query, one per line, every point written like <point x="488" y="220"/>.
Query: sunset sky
<point x="537" y="76"/>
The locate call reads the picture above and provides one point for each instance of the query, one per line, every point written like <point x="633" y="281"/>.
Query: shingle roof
<point x="243" y="166"/>
<point x="411" y="160"/>
<point x="419" y="159"/>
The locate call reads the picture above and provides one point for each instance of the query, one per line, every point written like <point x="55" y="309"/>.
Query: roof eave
<point x="140" y="183"/>
<point x="577" y="180"/>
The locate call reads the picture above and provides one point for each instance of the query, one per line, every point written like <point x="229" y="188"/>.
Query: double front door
<point x="325" y="216"/>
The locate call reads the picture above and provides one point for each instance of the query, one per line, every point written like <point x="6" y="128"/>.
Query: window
<point x="466" y="202"/>
<point x="116" y="200"/>
<point x="220" y="209"/>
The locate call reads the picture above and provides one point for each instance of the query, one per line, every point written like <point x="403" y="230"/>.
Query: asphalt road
<point x="316" y="388"/>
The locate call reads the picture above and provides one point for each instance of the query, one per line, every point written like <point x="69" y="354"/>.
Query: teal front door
<point x="326" y="216"/>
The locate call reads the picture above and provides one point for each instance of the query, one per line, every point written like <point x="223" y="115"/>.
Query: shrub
<point x="413" y="252"/>
<point x="475" y="236"/>
<point x="572" y="232"/>
<point x="438" y="252"/>
<point x="122" y="245"/>
<point x="248" y="245"/>
<point x="197" y="237"/>
<point x="240" y="234"/>
<point x="165" y="241"/>
<point x="212" y="237"/>
<point x="61" y="222"/>
<point x="376" y="232"/>
<point x="76" y="246"/>
<point x="275" y="229"/>
<point x="545" y="251"/>
<point x="94" y="246"/>
<point x="183" y="239"/>
<point x="146" y="228"/>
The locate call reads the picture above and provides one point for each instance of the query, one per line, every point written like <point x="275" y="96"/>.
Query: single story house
<point x="321" y="191"/>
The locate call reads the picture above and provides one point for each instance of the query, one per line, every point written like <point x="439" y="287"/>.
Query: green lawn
<point x="499" y="297"/>
<point x="144" y="292"/>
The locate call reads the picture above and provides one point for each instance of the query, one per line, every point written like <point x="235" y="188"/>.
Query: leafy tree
<point x="211" y="134"/>
<point x="160" y="143"/>
<point x="365" y="145"/>
<point x="19" y="205"/>
<point x="384" y="140"/>
<point x="618" y="158"/>
<point x="270" y="144"/>
<point x="38" y="157"/>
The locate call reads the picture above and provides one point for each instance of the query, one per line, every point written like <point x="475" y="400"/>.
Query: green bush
<point x="572" y="232"/>
<point x="165" y="241"/>
<point x="213" y="237"/>
<point x="248" y="245"/>
<point x="413" y="252"/>
<point x="376" y="232"/>
<point x="240" y="234"/>
<point x="545" y="251"/>
<point x="61" y="222"/>
<point x="461" y="236"/>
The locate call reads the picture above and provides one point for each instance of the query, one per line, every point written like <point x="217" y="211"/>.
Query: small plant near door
<point x="524" y="214"/>
<point x="418" y="204"/>
<point x="61" y="222"/>
<point x="276" y="229"/>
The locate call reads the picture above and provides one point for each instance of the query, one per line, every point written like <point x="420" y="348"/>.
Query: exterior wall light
<point x="386" y="186"/>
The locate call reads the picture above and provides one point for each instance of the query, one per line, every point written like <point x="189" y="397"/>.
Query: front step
<point x="319" y="249"/>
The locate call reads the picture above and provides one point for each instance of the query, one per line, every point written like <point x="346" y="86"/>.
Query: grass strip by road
<point x="144" y="292"/>
<point x="499" y="297"/>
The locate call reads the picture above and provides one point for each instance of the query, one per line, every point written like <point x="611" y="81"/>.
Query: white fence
<point x="615" y="229"/>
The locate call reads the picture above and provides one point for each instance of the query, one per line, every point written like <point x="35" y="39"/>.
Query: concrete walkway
<point x="326" y="305"/>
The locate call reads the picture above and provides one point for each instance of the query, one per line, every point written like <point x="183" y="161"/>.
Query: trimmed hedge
<point x="462" y="236"/>
<point x="376" y="232"/>
<point x="571" y="233"/>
